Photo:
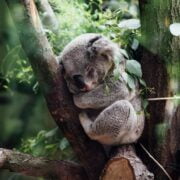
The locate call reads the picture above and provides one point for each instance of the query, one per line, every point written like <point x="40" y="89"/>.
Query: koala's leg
<point x="85" y="122"/>
<point x="117" y="124"/>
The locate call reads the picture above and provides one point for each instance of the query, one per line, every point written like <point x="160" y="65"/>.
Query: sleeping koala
<point x="113" y="117"/>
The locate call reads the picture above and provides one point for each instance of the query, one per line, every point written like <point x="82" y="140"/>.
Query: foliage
<point x="13" y="67"/>
<point x="48" y="143"/>
<point x="75" y="17"/>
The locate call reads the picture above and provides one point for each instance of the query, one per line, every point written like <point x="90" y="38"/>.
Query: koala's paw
<point x="83" y="116"/>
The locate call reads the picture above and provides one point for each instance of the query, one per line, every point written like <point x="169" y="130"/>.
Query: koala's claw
<point x="83" y="116"/>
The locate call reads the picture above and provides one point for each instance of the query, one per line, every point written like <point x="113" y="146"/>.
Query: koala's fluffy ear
<point x="101" y="46"/>
<point x="59" y="61"/>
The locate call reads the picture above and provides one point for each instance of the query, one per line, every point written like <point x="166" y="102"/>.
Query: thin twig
<point x="160" y="166"/>
<point x="164" y="98"/>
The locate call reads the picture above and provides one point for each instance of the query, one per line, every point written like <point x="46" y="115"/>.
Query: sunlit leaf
<point x="133" y="67"/>
<point x="131" y="82"/>
<point x="124" y="53"/>
<point x="133" y="9"/>
<point x="116" y="73"/>
<point x="135" y="44"/>
<point x="142" y="82"/>
<point x="125" y="76"/>
<point x="175" y="29"/>
<point x="51" y="132"/>
<point x="130" y="24"/>
<point x="63" y="144"/>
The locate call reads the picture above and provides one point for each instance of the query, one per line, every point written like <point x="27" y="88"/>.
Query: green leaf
<point x="142" y="82"/>
<point x="63" y="144"/>
<point x="130" y="24"/>
<point x="131" y="82"/>
<point x="51" y="132"/>
<point x="135" y="44"/>
<point x="145" y="103"/>
<point x="133" y="67"/>
<point x="116" y="73"/>
<point x="125" y="76"/>
<point x="175" y="29"/>
<point x="124" y="53"/>
<point x="107" y="90"/>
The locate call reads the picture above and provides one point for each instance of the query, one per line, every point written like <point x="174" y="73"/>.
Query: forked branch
<point x="48" y="73"/>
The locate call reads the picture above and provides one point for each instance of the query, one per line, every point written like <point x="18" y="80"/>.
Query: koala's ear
<point x="91" y="49"/>
<point x="102" y="47"/>
<point x="59" y="60"/>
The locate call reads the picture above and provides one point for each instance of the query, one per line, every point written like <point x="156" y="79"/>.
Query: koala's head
<point x="87" y="60"/>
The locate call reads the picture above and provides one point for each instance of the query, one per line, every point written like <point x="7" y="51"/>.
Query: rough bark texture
<point x="159" y="55"/>
<point x="172" y="150"/>
<point x="35" y="166"/>
<point x="49" y="18"/>
<point x="59" y="101"/>
<point x="124" y="164"/>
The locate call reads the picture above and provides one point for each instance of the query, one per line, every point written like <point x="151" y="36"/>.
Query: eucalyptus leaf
<point x="107" y="90"/>
<point x="133" y="67"/>
<point x="116" y="73"/>
<point x="125" y="76"/>
<point x="142" y="82"/>
<point x="135" y="44"/>
<point x="175" y="29"/>
<point x="63" y="144"/>
<point x="133" y="9"/>
<point x="124" y="53"/>
<point x="130" y="24"/>
<point x="131" y="82"/>
<point x="51" y="132"/>
<point x="145" y="103"/>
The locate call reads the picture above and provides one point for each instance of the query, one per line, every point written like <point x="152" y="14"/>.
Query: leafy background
<point x="25" y="123"/>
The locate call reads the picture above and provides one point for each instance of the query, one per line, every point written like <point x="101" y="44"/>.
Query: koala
<point x="111" y="118"/>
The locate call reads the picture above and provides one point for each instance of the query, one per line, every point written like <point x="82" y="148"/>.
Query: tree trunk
<point x="158" y="50"/>
<point x="159" y="55"/>
<point x="53" y="86"/>
<point x="59" y="101"/>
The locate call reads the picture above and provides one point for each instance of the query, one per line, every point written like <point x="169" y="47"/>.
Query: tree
<point x="124" y="163"/>
<point x="160" y="55"/>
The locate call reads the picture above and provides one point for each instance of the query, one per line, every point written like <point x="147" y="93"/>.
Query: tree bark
<point x="48" y="18"/>
<point x="159" y="55"/>
<point x="59" y="101"/>
<point x="40" y="167"/>
<point x="52" y="84"/>
<point x="124" y="164"/>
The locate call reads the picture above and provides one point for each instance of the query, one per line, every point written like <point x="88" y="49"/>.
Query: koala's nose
<point x="79" y="81"/>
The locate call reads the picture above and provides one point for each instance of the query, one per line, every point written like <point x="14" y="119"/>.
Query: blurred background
<point x="25" y="123"/>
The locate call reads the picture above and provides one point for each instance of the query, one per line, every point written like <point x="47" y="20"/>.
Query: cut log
<point x="125" y="165"/>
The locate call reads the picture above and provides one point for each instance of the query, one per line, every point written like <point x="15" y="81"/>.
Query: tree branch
<point x="60" y="104"/>
<point x="48" y="72"/>
<point x="49" y="17"/>
<point x="40" y="167"/>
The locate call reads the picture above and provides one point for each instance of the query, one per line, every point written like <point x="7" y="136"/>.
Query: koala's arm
<point x="101" y="96"/>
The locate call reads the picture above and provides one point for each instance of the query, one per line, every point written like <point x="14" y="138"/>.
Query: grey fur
<point x="113" y="117"/>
